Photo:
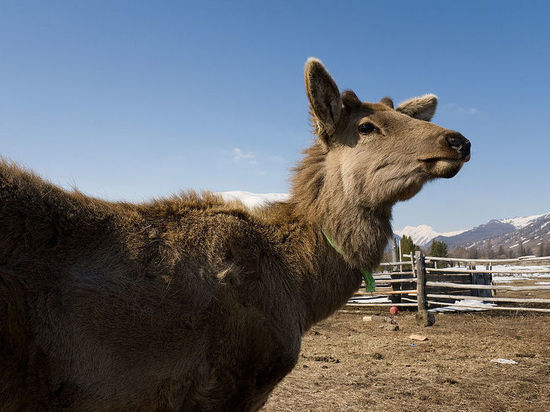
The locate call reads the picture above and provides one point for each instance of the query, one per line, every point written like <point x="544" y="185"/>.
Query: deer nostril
<point x="458" y="142"/>
<point x="467" y="145"/>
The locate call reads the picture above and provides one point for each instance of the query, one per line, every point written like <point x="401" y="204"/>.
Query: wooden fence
<point x="426" y="283"/>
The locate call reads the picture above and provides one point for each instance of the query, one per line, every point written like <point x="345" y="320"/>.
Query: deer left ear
<point x="324" y="98"/>
<point x="422" y="108"/>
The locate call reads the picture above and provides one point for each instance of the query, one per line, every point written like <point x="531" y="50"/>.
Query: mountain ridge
<point x="527" y="231"/>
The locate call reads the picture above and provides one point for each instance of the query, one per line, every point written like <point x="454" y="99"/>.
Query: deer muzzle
<point x="459" y="143"/>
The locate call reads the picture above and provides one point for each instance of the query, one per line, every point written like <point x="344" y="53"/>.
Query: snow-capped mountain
<point x="530" y="231"/>
<point x="529" y="234"/>
<point x="423" y="234"/>
<point x="254" y="199"/>
<point x="521" y="222"/>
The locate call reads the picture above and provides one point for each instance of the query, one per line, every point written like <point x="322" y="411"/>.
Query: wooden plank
<point x="406" y="262"/>
<point x="395" y="269"/>
<point x="488" y="271"/>
<point x="491" y="307"/>
<point x="383" y="293"/>
<point x="379" y="304"/>
<point x="404" y="280"/>
<point x="421" y="284"/>
<point x="495" y="287"/>
<point x="522" y="259"/>
<point x="408" y="272"/>
<point x="389" y="292"/>
<point x="401" y="292"/>
<point x="487" y="299"/>
<point x="423" y="317"/>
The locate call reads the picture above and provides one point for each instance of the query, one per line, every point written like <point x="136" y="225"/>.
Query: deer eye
<point x="368" y="128"/>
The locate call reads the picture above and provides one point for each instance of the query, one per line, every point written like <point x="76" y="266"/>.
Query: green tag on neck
<point x="370" y="285"/>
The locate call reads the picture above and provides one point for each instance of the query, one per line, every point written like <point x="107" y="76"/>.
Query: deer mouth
<point x="445" y="167"/>
<point x="460" y="158"/>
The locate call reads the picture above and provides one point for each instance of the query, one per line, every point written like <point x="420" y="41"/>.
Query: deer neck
<point x="359" y="231"/>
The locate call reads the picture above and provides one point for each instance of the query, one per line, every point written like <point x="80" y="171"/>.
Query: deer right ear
<point x="422" y="107"/>
<point x="324" y="98"/>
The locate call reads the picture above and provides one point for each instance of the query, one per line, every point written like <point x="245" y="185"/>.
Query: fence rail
<point x="500" y="271"/>
<point x="428" y="288"/>
<point x="521" y="259"/>
<point x="485" y="287"/>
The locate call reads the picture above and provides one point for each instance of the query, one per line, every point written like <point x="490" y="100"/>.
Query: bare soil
<point x="349" y="364"/>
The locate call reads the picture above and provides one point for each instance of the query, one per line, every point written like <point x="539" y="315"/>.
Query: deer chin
<point x="442" y="167"/>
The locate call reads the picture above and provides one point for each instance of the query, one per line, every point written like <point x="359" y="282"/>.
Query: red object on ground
<point x="394" y="310"/>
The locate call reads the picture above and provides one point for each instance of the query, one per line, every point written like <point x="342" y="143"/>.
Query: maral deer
<point x="190" y="302"/>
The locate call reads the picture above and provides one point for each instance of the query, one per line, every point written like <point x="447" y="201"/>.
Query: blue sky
<point x="133" y="100"/>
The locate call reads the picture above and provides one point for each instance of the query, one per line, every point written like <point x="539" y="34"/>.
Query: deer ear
<point x="387" y="101"/>
<point x="422" y="107"/>
<point x="325" y="102"/>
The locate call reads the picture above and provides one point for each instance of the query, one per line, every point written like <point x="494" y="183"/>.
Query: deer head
<point x="380" y="154"/>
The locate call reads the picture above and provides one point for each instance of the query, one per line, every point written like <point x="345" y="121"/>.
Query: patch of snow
<point x="424" y="234"/>
<point x="464" y="305"/>
<point x="254" y="199"/>
<point x="504" y="361"/>
<point x="521" y="222"/>
<point x="508" y="279"/>
<point x="368" y="299"/>
<point x="456" y="232"/>
<point x="533" y="272"/>
<point x="471" y="302"/>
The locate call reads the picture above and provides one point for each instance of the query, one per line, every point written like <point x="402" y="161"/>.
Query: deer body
<point x="193" y="303"/>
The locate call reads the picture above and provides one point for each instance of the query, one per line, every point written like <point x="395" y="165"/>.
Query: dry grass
<point x="348" y="364"/>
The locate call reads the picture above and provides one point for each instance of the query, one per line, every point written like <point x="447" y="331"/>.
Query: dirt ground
<point x="349" y="364"/>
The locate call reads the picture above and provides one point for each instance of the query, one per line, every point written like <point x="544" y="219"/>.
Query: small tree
<point x="407" y="246"/>
<point x="439" y="249"/>
<point x="501" y="253"/>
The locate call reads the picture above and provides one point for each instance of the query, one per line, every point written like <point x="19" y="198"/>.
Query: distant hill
<point x="489" y="230"/>
<point x="530" y="234"/>
<point x="423" y="235"/>
<point x="510" y="233"/>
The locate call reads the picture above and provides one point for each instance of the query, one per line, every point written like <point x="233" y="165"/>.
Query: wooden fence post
<point x="423" y="317"/>
<point x="395" y="286"/>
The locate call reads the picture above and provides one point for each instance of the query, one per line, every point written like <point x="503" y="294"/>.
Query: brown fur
<point x="191" y="302"/>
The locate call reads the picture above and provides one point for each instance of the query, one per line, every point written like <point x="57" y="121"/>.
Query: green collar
<point x="367" y="276"/>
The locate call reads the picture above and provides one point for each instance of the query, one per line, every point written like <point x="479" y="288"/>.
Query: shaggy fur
<point x="190" y="302"/>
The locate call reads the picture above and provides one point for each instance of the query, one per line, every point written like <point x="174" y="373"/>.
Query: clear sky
<point x="133" y="100"/>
